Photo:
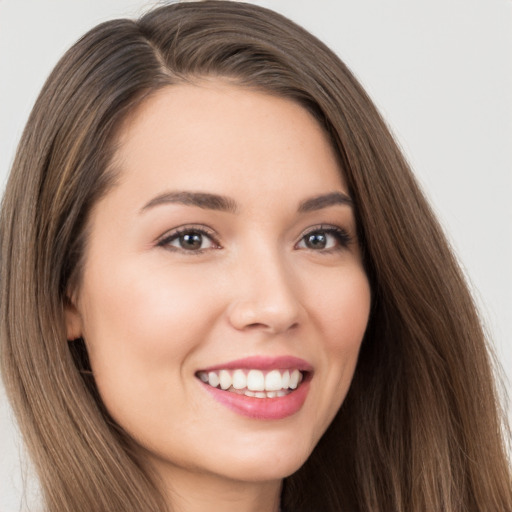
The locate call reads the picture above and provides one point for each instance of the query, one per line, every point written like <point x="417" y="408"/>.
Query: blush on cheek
<point x="144" y="310"/>
<point x="347" y="313"/>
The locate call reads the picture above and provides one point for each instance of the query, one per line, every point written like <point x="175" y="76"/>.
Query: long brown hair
<point x="420" y="429"/>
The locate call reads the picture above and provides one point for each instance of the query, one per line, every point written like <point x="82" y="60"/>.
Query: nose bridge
<point x="265" y="296"/>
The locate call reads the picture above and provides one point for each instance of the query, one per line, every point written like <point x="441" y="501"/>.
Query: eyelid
<point x="343" y="235"/>
<point x="165" y="239"/>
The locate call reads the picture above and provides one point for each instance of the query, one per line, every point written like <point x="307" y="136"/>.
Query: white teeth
<point x="255" y="383"/>
<point x="225" y="379"/>
<point x="285" y="381"/>
<point x="273" y="381"/>
<point x="213" y="379"/>
<point x="294" y="379"/>
<point x="239" y="379"/>
<point x="255" y="380"/>
<point x="265" y="394"/>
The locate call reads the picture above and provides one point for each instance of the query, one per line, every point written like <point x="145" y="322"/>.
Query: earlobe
<point x="73" y="320"/>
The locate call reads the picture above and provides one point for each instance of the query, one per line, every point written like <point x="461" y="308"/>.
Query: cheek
<point x="343" y="310"/>
<point x="342" y="313"/>
<point x="148" y="309"/>
<point x="140" y="323"/>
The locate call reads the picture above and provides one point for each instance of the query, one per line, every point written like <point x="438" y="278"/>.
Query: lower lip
<point x="262" y="408"/>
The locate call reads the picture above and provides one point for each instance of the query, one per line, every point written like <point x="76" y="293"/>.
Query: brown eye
<point x="316" y="241"/>
<point x="189" y="240"/>
<point x="325" y="239"/>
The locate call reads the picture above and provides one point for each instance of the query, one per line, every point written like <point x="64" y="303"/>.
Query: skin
<point x="154" y="314"/>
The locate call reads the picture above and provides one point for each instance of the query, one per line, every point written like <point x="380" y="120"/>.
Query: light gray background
<point x="439" y="70"/>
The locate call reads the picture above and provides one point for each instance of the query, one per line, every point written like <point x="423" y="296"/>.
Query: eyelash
<point x="188" y="230"/>
<point x="341" y="235"/>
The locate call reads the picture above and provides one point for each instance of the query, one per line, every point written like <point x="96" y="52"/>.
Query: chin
<point x="265" y="465"/>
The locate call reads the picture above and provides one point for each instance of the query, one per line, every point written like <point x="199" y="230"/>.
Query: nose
<point x="265" y="296"/>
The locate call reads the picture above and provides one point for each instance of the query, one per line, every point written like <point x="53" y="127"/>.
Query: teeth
<point x="254" y="383"/>
<point x="273" y="381"/>
<point x="255" y="380"/>
<point x="285" y="379"/>
<point x="294" y="379"/>
<point x="213" y="379"/>
<point x="225" y="379"/>
<point x="239" y="379"/>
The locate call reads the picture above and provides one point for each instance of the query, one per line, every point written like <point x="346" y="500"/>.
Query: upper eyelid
<point x="321" y="227"/>
<point x="325" y="227"/>
<point x="206" y="230"/>
<point x="333" y="228"/>
<point x="179" y="230"/>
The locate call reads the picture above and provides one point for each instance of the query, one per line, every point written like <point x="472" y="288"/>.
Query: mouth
<point x="253" y="382"/>
<point x="258" y="387"/>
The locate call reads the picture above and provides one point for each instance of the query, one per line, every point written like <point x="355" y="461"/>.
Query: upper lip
<point x="263" y="363"/>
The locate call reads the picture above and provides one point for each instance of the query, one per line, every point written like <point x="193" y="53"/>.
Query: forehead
<point x="219" y="136"/>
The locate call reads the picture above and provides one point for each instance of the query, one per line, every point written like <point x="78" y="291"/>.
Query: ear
<point x="73" y="319"/>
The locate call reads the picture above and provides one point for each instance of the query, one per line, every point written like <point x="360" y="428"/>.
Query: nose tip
<point x="273" y="318"/>
<point x="265" y="301"/>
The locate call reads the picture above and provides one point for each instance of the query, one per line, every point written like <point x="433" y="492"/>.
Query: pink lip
<point x="263" y="363"/>
<point x="263" y="408"/>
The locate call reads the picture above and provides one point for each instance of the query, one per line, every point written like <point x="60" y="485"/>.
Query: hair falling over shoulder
<point x="421" y="428"/>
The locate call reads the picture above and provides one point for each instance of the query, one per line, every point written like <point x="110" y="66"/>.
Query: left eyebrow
<point x="203" y="200"/>
<point x="324" y="201"/>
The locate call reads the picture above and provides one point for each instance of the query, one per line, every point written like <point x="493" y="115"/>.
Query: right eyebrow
<point x="200" y="199"/>
<point x="324" y="201"/>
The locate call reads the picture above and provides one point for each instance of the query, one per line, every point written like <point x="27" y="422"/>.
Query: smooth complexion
<point x="178" y="281"/>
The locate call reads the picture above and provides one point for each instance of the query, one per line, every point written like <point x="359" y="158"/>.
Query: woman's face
<point x="220" y="270"/>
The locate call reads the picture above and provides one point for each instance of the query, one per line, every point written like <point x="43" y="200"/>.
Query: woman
<point x="260" y="309"/>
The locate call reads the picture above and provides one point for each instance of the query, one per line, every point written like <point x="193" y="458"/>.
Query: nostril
<point x="255" y="326"/>
<point x="268" y="303"/>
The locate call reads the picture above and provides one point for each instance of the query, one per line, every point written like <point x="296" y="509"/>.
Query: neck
<point x="199" y="492"/>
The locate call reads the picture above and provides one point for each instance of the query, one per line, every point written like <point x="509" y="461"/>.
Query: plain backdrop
<point x="439" y="71"/>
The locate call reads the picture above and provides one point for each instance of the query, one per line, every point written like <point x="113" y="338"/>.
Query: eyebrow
<point x="217" y="202"/>
<point x="200" y="199"/>
<point x="324" y="201"/>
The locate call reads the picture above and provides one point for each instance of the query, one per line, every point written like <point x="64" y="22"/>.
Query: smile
<point x="254" y="383"/>
<point x="264" y="388"/>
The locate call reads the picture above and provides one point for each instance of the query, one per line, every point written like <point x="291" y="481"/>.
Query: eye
<point x="189" y="240"/>
<point x="322" y="238"/>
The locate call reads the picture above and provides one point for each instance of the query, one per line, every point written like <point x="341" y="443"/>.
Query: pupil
<point x="191" y="241"/>
<point x="316" y="241"/>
